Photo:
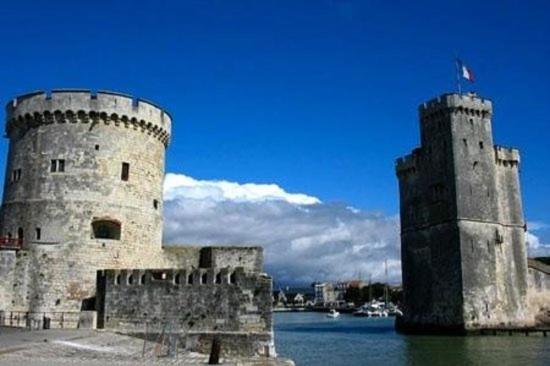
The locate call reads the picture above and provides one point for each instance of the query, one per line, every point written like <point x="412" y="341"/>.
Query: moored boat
<point x="333" y="313"/>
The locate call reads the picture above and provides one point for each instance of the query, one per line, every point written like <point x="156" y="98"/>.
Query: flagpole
<point x="457" y="66"/>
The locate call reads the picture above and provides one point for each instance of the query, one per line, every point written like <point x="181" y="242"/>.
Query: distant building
<point x="324" y="294"/>
<point x="357" y="284"/>
<point x="281" y="298"/>
<point x="298" y="300"/>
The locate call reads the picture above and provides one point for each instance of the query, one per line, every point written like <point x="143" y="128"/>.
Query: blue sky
<point x="318" y="97"/>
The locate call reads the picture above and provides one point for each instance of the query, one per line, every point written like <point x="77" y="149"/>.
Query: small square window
<point x="97" y="147"/>
<point x="481" y="145"/>
<point x="15" y="175"/>
<point x="57" y="165"/>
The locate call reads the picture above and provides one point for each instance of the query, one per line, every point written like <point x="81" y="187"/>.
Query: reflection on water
<point x="314" y="339"/>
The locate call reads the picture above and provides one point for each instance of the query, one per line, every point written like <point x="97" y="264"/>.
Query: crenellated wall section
<point x="196" y="303"/>
<point x="84" y="106"/>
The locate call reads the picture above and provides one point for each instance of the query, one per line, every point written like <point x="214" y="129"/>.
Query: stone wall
<point x="539" y="276"/>
<point x="539" y="291"/>
<point x="494" y="276"/>
<point x="196" y="303"/>
<point x="7" y="272"/>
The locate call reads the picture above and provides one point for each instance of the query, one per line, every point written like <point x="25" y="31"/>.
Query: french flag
<point x="465" y="71"/>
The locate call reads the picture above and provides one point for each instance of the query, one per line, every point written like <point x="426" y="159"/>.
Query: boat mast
<point x="386" y="282"/>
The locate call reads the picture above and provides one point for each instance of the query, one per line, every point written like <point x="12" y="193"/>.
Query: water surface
<point x="314" y="339"/>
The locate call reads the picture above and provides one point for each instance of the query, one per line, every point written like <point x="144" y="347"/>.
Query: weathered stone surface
<point x="463" y="232"/>
<point x="196" y="303"/>
<point x="83" y="193"/>
<point x="538" y="276"/>
<point x="93" y="134"/>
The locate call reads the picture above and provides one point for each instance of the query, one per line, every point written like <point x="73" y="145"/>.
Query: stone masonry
<point x="82" y="194"/>
<point x="463" y="244"/>
<point x="196" y="304"/>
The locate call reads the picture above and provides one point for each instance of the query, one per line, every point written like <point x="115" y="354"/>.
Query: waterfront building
<point x="463" y="244"/>
<point x="324" y="294"/>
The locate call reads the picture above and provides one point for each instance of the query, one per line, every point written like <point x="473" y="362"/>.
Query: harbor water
<point x="314" y="339"/>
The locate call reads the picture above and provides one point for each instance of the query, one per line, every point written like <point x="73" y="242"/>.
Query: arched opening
<point x="204" y="278"/>
<point x="232" y="278"/>
<point x="218" y="278"/>
<point x="106" y="229"/>
<point x="177" y="278"/>
<point x="131" y="279"/>
<point x="190" y="279"/>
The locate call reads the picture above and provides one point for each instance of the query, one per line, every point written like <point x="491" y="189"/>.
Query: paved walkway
<point x="96" y="348"/>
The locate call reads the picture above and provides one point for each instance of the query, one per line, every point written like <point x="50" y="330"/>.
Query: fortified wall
<point x="233" y="305"/>
<point x="82" y="194"/>
<point x="538" y="277"/>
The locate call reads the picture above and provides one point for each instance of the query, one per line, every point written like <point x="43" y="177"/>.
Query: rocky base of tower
<point x="403" y="327"/>
<point x="536" y="321"/>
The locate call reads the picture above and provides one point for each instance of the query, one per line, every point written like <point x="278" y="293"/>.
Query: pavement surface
<point x="99" y="348"/>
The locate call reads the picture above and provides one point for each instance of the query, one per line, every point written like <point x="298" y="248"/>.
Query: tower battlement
<point x="469" y="104"/>
<point x="507" y="156"/>
<point x="406" y="164"/>
<point x="85" y="106"/>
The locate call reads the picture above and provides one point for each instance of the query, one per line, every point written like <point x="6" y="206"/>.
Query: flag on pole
<point x="465" y="71"/>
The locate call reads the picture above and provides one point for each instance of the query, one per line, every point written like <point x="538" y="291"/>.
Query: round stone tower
<point x="83" y="191"/>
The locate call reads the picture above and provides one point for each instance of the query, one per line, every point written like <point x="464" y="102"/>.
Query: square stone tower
<point x="463" y="245"/>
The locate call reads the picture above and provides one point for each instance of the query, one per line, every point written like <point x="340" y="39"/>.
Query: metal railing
<point x="39" y="320"/>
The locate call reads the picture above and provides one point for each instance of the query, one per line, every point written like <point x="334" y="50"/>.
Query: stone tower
<point x="463" y="245"/>
<point x="83" y="191"/>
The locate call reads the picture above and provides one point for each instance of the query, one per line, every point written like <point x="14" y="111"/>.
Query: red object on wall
<point x="10" y="243"/>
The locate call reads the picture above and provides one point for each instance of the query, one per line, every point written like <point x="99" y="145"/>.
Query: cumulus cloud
<point x="179" y="185"/>
<point x="536" y="247"/>
<point x="304" y="239"/>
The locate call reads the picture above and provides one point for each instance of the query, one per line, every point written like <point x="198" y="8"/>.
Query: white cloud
<point x="536" y="225"/>
<point x="304" y="239"/>
<point x="179" y="185"/>
<point x="536" y="248"/>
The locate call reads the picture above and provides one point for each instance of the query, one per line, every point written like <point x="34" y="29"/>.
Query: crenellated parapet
<point x="468" y="104"/>
<point x="506" y="156"/>
<point x="84" y="106"/>
<point x="178" y="277"/>
<point x="228" y="303"/>
<point x="407" y="165"/>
